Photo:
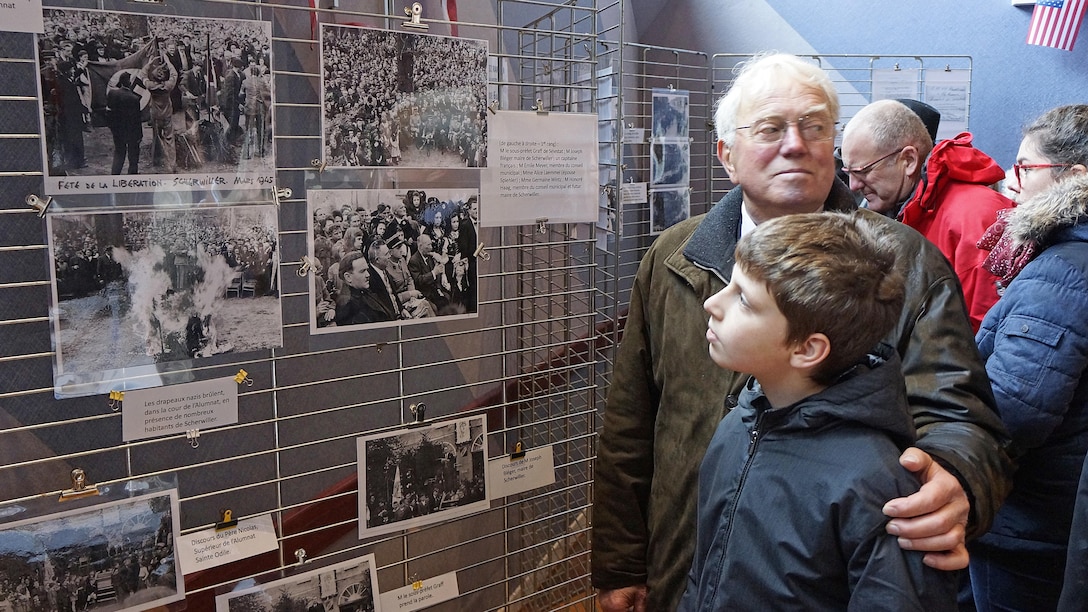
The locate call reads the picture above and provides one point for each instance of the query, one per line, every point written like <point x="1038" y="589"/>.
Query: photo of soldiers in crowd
<point x="139" y="94"/>
<point x="113" y="556"/>
<point x="402" y="99"/>
<point x="150" y="287"/>
<point x="422" y="475"/>
<point x="351" y="586"/>
<point x="389" y="257"/>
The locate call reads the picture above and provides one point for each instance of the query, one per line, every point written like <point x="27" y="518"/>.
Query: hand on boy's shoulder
<point x="934" y="519"/>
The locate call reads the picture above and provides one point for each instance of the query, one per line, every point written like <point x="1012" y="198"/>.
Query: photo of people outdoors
<point x="668" y="206"/>
<point x="670" y="114"/>
<point x="117" y="555"/>
<point x="389" y="257"/>
<point x="148" y="287"/>
<point x="422" y="475"/>
<point x="402" y="99"/>
<point x="156" y="96"/>
<point x="351" y="586"/>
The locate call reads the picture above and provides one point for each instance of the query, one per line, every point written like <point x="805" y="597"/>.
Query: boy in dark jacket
<point x="793" y="483"/>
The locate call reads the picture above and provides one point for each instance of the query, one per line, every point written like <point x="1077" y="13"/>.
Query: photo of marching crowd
<point x="150" y="287"/>
<point x="399" y="99"/>
<point x="139" y="94"/>
<point x="383" y="256"/>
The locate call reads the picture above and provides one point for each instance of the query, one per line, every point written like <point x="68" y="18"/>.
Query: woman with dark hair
<point x="1034" y="342"/>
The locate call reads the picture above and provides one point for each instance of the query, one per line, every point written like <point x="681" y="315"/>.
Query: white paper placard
<point x="21" y="16"/>
<point x="422" y="594"/>
<point x="210" y="548"/>
<point x="633" y="193"/>
<point x="633" y="135"/>
<point x="539" y="166"/>
<point x="148" y="413"/>
<point x="511" y="476"/>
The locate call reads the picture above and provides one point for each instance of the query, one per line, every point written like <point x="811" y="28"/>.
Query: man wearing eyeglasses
<point x="776" y="128"/>
<point x="943" y="191"/>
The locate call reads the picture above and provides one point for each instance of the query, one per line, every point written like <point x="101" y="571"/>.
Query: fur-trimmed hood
<point x="1063" y="205"/>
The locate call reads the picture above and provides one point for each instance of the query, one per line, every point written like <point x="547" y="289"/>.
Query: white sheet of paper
<point x="633" y="135"/>
<point x="539" y="167"/>
<point x="891" y="83"/>
<point x="22" y="16"/>
<point x="948" y="91"/>
<point x="149" y="413"/>
<point x="422" y="594"/>
<point x="210" y="548"/>
<point x="510" y="476"/>
<point x="633" y="193"/>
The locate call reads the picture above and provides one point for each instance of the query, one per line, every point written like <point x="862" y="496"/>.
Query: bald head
<point x="884" y="148"/>
<point x="888" y="124"/>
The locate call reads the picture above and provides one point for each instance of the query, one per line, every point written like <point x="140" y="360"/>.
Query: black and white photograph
<point x="386" y="257"/>
<point x="403" y="99"/>
<point x="422" y="475"/>
<point x="670" y="114"/>
<point x="351" y="586"/>
<point x="135" y="103"/>
<point x="670" y="163"/>
<point x="668" y="206"/>
<point x="154" y="286"/>
<point x="118" y="555"/>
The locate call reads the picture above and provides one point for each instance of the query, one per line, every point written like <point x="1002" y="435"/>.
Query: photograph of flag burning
<point x="142" y="292"/>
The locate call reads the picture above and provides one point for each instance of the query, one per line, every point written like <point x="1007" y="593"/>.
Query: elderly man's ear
<point x="724" y="157"/>
<point x="913" y="159"/>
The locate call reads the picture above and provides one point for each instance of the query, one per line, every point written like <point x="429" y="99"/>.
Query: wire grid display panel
<point x="527" y="362"/>
<point x="852" y="76"/>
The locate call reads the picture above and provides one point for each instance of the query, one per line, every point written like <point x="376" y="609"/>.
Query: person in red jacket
<point x="942" y="191"/>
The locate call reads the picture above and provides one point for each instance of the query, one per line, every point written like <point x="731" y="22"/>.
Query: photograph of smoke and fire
<point x="142" y="292"/>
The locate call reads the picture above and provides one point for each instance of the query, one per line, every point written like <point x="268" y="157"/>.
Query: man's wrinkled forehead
<point x="771" y="99"/>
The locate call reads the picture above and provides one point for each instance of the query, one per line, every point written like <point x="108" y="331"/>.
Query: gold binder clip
<point x="300" y="554"/>
<point x="417" y="584"/>
<point x="281" y="193"/>
<point x="481" y="252"/>
<point x="419" y="411"/>
<point x="542" y="225"/>
<point x="539" y="107"/>
<point x="493" y="107"/>
<point x="80" y="488"/>
<point x="319" y="164"/>
<point x="116" y="397"/>
<point x="226" y="521"/>
<point x="519" y="451"/>
<point x="242" y="377"/>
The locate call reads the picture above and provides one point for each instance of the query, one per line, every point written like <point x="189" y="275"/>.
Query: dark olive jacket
<point x="665" y="398"/>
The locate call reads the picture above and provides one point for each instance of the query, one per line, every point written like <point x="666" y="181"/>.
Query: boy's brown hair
<point x="829" y="273"/>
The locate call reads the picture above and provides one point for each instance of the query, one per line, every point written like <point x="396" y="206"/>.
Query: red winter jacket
<point x="952" y="206"/>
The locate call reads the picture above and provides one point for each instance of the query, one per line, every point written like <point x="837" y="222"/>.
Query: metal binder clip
<point x="542" y="225"/>
<point x="116" y="397"/>
<point x="242" y="377"/>
<point x="493" y="107"/>
<point x="539" y="107"/>
<point x="39" y="204"/>
<point x="419" y="411"/>
<point x="319" y="164"/>
<point x="481" y="252"/>
<point x="193" y="436"/>
<point x="281" y="194"/>
<point x="305" y="266"/>
<point x="300" y="554"/>
<point x="414" y="14"/>
<point x="80" y="488"/>
<point x="226" y="521"/>
<point x="519" y="451"/>
<point x="417" y="584"/>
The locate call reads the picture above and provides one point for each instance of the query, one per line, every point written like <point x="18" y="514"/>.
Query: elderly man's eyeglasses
<point x="863" y="171"/>
<point x="1022" y="169"/>
<point x="772" y="130"/>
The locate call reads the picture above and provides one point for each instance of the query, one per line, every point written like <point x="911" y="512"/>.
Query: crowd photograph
<point x="422" y="475"/>
<point x="402" y="99"/>
<point x="113" y="556"/>
<point x="139" y="94"/>
<point x="388" y="257"/>
<point x="163" y="286"/>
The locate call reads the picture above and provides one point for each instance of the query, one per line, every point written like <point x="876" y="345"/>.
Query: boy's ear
<point x="810" y="352"/>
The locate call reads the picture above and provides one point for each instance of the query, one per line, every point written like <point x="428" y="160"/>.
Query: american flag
<point x="1055" y="23"/>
